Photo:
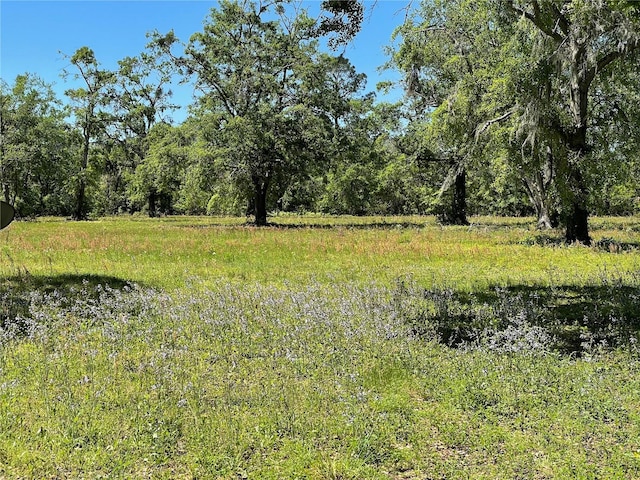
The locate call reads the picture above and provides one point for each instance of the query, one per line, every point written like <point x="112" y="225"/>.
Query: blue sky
<point x="33" y="33"/>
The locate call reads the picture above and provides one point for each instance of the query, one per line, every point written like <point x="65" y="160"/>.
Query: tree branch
<point x="537" y="20"/>
<point x="488" y="123"/>
<point x="607" y="59"/>
<point x="561" y="20"/>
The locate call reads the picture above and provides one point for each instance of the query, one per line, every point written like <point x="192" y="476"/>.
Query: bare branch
<point x="488" y="123"/>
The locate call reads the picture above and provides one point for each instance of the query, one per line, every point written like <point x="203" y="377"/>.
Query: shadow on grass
<point x="350" y="226"/>
<point x="575" y="317"/>
<point x="604" y="313"/>
<point x="501" y="222"/>
<point x="65" y="283"/>
<point x="607" y="245"/>
<point x="315" y="226"/>
<point x="630" y="223"/>
<point x="15" y="291"/>
<point x="612" y="245"/>
<point x="543" y="240"/>
<point x="400" y="223"/>
<point x="372" y="223"/>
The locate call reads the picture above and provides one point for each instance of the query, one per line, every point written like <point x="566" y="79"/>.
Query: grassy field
<point x="166" y="253"/>
<point x="319" y="347"/>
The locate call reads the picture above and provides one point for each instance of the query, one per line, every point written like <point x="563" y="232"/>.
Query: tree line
<point x="511" y="108"/>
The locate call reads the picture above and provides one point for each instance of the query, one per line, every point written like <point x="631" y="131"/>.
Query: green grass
<point x="168" y="252"/>
<point x="310" y="349"/>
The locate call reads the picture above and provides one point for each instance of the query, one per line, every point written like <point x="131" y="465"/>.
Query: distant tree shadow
<point x="606" y="314"/>
<point x="349" y="226"/>
<point x="502" y="222"/>
<point x="337" y="222"/>
<point x="609" y="245"/>
<point x="575" y="317"/>
<point x="16" y="291"/>
<point x="391" y="223"/>
<point x="315" y="226"/>
<point x="612" y="245"/>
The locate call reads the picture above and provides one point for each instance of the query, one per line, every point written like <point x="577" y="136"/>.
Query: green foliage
<point x="575" y="47"/>
<point x="532" y="80"/>
<point x="160" y="173"/>
<point x="447" y="52"/>
<point x="36" y="150"/>
<point x="348" y="190"/>
<point x="279" y="126"/>
<point x="226" y="200"/>
<point x="341" y="18"/>
<point x="256" y="96"/>
<point x="497" y="190"/>
<point x="138" y="99"/>
<point x="88" y="109"/>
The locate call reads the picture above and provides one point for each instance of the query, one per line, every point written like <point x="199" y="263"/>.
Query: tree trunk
<point x="5" y="190"/>
<point x="577" y="225"/>
<point x="251" y="206"/>
<point x="80" y="212"/>
<point x="537" y="190"/>
<point x="260" y="202"/>
<point x="152" y="203"/>
<point x="544" y="219"/>
<point x="578" y="215"/>
<point x="459" y="203"/>
<point x="165" y="204"/>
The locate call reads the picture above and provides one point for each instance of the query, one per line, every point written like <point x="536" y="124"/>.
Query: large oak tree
<point x="256" y="68"/>
<point x="576" y="43"/>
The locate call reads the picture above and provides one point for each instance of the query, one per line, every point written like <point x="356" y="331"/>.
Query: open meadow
<point x="318" y="347"/>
